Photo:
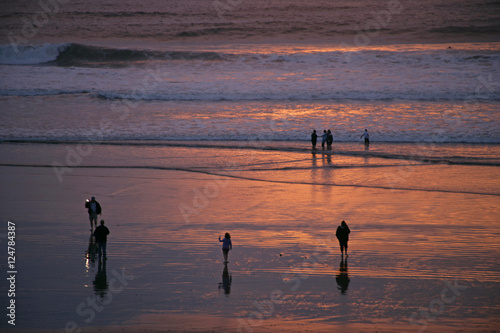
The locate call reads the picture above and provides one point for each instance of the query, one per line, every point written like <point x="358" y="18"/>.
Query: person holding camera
<point x="94" y="209"/>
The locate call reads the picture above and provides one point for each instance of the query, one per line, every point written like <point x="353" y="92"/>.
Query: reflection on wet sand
<point x="343" y="277"/>
<point x="101" y="280"/>
<point x="227" y="279"/>
<point x="91" y="253"/>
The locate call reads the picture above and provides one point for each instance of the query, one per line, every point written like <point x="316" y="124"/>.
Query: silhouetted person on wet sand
<point x="314" y="138"/>
<point x="94" y="209"/>
<point x="342" y="234"/>
<point x="329" y="139"/>
<point x="366" y="136"/>
<point x="226" y="245"/>
<point x="323" y="139"/>
<point x="101" y="237"/>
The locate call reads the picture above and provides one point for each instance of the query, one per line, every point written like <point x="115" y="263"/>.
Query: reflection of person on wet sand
<point x="101" y="280"/>
<point x="343" y="278"/>
<point x="342" y="234"/>
<point x="91" y="252"/>
<point x="226" y="280"/>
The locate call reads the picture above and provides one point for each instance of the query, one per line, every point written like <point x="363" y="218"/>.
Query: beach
<point x="187" y="119"/>
<point x="419" y="259"/>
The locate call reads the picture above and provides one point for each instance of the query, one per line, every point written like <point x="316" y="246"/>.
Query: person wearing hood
<point x="342" y="234"/>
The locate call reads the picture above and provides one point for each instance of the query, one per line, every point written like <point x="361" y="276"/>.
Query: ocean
<point x="190" y="118"/>
<point x="200" y="70"/>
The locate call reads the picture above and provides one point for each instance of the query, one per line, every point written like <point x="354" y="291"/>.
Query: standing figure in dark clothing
<point x="366" y="137"/>
<point x="342" y="234"/>
<point x="314" y="138"/>
<point x="329" y="139"/>
<point x="94" y="209"/>
<point x="101" y="237"/>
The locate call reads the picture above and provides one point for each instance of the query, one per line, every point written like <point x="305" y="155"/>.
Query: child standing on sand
<point x="226" y="245"/>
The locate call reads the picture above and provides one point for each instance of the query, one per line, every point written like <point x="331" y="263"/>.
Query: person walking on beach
<point x="323" y="139"/>
<point x="329" y="139"/>
<point x="314" y="138"/>
<point x="342" y="234"/>
<point x="101" y="237"/>
<point x="366" y="136"/>
<point x="226" y="245"/>
<point x="94" y="209"/>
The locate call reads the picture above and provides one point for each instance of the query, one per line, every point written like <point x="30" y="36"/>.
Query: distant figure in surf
<point x="323" y="139"/>
<point x="226" y="245"/>
<point x="314" y="139"/>
<point x="342" y="234"/>
<point x="366" y="136"/>
<point x="329" y="139"/>
<point x="94" y="209"/>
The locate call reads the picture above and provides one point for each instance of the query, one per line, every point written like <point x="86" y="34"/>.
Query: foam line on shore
<point x="393" y="188"/>
<point x="417" y="157"/>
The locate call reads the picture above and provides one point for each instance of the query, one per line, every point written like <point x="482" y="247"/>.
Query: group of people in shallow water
<point x="327" y="138"/>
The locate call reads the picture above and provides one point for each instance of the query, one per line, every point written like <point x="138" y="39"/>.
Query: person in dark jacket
<point x="314" y="139"/>
<point x="101" y="237"/>
<point x="329" y="139"/>
<point x="94" y="209"/>
<point x="342" y="234"/>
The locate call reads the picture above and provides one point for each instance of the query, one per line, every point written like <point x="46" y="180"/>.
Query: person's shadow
<point x="342" y="277"/>
<point x="91" y="253"/>
<point x="101" y="280"/>
<point x="227" y="279"/>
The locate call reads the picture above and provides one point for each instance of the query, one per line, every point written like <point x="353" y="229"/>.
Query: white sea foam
<point x="30" y="54"/>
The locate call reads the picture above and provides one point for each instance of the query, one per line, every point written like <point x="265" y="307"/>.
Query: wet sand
<point x="419" y="259"/>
